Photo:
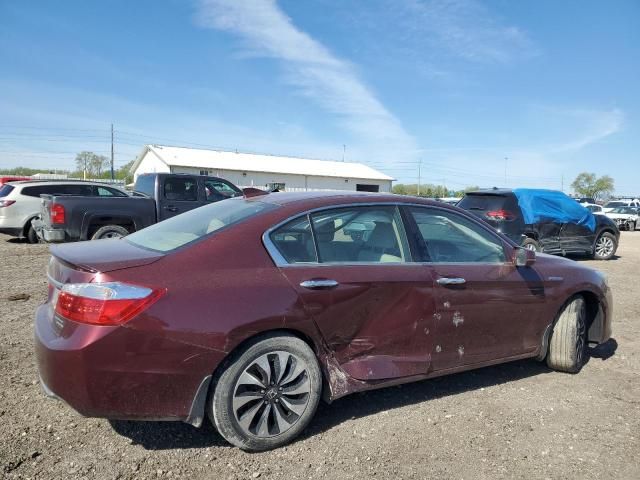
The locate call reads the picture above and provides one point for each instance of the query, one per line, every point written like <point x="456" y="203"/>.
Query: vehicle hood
<point x="621" y="215"/>
<point x="104" y="255"/>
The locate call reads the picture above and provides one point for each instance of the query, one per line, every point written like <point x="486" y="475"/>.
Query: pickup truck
<point x="156" y="197"/>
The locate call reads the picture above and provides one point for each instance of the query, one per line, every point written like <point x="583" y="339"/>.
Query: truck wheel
<point x="110" y="231"/>
<point x="32" y="236"/>
<point x="267" y="394"/>
<point x="531" y="244"/>
<point x="568" y="338"/>
<point x="605" y="246"/>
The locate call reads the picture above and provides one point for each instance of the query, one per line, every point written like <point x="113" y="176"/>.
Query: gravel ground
<point x="518" y="420"/>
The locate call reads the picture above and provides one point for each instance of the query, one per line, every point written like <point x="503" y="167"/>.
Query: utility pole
<point x="562" y="183"/>
<point x="344" y="151"/>
<point x="419" y="179"/>
<point x="112" y="173"/>
<point x="505" y="170"/>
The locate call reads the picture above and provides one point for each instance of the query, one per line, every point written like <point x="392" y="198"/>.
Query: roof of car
<point x="337" y="197"/>
<point x="490" y="191"/>
<point x="62" y="182"/>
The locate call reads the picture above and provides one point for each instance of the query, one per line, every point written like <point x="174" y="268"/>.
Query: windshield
<point x="194" y="224"/>
<point x="615" y="204"/>
<point x="623" y="210"/>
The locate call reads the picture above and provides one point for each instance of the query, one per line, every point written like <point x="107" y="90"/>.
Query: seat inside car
<point x="382" y="245"/>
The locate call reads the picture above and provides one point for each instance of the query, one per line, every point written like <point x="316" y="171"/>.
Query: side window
<point x="104" y="192"/>
<point x="360" y="235"/>
<point x="33" y="191"/>
<point x="452" y="238"/>
<point x="216" y="190"/>
<point x="294" y="241"/>
<point x="76" y="189"/>
<point x="181" y="189"/>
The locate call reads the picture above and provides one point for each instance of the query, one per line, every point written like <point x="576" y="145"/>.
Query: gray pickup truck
<point x="156" y="197"/>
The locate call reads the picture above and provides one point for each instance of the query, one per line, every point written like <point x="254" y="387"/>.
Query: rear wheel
<point x="531" y="244"/>
<point x="110" y="231"/>
<point x="605" y="246"/>
<point x="568" y="338"/>
<point x="32" y="236"/>
<point x="267" y="394"/>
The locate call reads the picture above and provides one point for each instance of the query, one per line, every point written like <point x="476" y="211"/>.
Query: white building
<point x="262" y="171"/>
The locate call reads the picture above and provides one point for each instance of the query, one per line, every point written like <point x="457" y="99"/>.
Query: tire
<point x="32" y="236"/>
<point x="568" y="338"/>
<point x="531" y="244"/>
<point x="632" y="227"/>
<point x="605" y="246"/>
<point x="266" y="421"/>
<point x="110" y="231"/>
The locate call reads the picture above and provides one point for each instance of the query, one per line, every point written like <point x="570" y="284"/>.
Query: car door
<point x="486" y="307"/>
<point x="352" y="269"/>
<point x="179" y="195"/>
<point x="575" y="237"/>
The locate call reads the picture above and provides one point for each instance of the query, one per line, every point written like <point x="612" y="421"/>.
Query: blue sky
<point x="488" y="93"/>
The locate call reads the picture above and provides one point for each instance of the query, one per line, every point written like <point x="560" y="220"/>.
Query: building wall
<point x="292" y="182"/>
<point x="151" y="164"/>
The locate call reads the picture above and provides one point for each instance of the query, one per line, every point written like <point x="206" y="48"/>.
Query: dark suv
<point x="545" y="220"/>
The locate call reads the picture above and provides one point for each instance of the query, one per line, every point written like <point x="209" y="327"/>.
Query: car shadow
<point x="177" y="435"/>
<point x="582" y="258"/>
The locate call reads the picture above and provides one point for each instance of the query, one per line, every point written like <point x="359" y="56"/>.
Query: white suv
<point x="620" y="203"/>
<point x="20" y="201"/>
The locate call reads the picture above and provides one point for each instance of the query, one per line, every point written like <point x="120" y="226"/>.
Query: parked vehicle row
<point x="249" y="310"/>
<point x="20" y="201"/>
<point x="545" y="220"/>
<point x="157" y="196"/>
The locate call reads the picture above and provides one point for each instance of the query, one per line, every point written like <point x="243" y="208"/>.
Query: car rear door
<point x="352" y="269"/>
<point x="178" y="194"/>
<point x="487" y="308"/>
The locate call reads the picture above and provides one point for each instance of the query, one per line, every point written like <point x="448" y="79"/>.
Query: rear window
<point x="486" y="202"/>
<point x="615" y="204"/>
<point x="146" y="184"/>
<point x="194" y="224"/>
<point x="5" y="190"/>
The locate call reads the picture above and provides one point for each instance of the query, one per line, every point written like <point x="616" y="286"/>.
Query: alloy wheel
<point x="604" y="246"/>
<point x="271" y="394"/>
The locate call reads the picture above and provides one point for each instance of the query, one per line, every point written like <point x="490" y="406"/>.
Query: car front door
<point x="352" y="269"/>
<point x="575" y="237"/>
<point x="487" y="308"/>
<point x="179" y="194"/>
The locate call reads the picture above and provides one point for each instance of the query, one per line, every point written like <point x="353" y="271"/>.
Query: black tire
<point x="632" y="227"/>
<point x="605" y="246"/>
<point x="110" y="231"/>
<point x="531" y="244"/>
<point x="31" y="236"/>
<point x="568" y="339"/>
<point x="254" y="425"/>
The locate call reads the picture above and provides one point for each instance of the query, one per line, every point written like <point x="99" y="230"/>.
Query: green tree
<point x="90" y="164"/>
<point x="589" y="185"/>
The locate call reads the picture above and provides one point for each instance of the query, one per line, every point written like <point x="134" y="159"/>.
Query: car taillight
<point x="6" y="203"/>
<point x="57" y="213"/>
<point x="109" y="303"/>
<point x="500" y="215"/>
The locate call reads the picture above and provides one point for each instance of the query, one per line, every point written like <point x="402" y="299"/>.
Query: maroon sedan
<point x="251" y="309"/>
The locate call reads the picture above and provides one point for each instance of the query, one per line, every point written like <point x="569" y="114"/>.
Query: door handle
<point x="171" y="208"/>
<point x="451" y="281"/>
<point x="319" y="284"/>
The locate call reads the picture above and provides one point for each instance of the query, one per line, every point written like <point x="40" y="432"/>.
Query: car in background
<point x="625" y="217"/>
<point x="20" y="201"/>
<point x="249" y="310"/>
<point x="11" y="178"/>
<point x="449" y="200"/>
<point x="620" y="203"/>
<point x="585" y="200"/>
<point x="545" y="220"/>
<point x="593" y="208"/>
<point x="156" y="197"/>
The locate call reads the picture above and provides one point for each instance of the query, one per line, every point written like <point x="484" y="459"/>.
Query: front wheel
<point x="605" y="246"/>
<point x="110" y="231"/>
<point x="267" y="394"/>
<point x="568" y="338"/>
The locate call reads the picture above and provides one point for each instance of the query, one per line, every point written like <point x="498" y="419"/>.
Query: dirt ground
<point x="513" y="421"/>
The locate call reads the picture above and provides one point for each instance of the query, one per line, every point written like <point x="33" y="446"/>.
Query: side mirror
<point x="523" y="257"/>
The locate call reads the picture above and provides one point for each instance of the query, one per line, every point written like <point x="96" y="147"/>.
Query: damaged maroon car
<point x="250" y="310"/>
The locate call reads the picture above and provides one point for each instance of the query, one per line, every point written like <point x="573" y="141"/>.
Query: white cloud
<point x="595" y="126"/>
<point x="315" y="72"/>
<point x="463" y="28"/>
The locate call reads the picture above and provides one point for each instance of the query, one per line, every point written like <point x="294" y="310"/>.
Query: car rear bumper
<point x="50" y="235"/>
<point x="118" y="372"/>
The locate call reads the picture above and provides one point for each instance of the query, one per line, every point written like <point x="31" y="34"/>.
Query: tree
<point x="589" y="185"/>
<point x="90" y="164"/>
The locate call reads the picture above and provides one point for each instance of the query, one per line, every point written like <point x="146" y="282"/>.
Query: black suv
<point x="544" y="220"/>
